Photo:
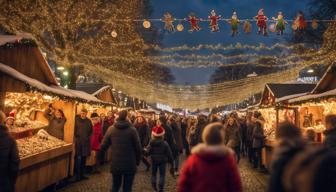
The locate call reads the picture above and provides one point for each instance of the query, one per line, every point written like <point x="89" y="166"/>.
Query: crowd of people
<point x="212" y="145"/>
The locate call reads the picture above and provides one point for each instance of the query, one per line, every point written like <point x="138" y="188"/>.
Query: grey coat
<point x="125" y="147"/>
<point x="83" y="132"/>
<point x="9" y="161"/>
<point x="56" y="126"/>
<point x="258" y="135"/>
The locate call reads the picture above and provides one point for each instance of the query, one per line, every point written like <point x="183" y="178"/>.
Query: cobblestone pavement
<point x="252" y="180"/>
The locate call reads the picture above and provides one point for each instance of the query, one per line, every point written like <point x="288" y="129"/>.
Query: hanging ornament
<point x="280" y="24"/>
<point x="261" y="22"/>
<point x="299" y="23"/>
<point x="234" y="21"/>
<point x="168" y="20"/>
<point x="146" y="24"/>
<point x="314" y="24"/>
<point x="214" y="21"/>
<point x="247" y="27"/>
<point x="114" y="34"/>
<point x="272" y="28"/>
<point x="180" y="27"/>
<point x="193" y="20"/>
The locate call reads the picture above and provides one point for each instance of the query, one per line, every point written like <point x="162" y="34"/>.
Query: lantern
<point x="179" y="27"/>
<point x="146" y="24"/>
<point x="114" y="34"/>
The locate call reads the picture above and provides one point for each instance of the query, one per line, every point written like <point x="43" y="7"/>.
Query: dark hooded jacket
<point x="9" y="161"/>
<point x="125" y="147"/>
<point x="209" y="169"/>
<point x="159" y="151"/>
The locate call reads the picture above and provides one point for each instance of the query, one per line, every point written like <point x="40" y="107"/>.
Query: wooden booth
<point x="274" y="109"/>
<point x="27" y="88"/>
<point x="315" y="106"/>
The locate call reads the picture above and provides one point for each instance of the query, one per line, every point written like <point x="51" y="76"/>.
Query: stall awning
<point x="34" y="84"/>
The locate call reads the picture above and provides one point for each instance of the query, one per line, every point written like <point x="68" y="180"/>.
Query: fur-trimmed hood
<point x="211" y="152"/>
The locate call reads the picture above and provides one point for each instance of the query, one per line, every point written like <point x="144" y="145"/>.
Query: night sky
<point x="246" y="9"/>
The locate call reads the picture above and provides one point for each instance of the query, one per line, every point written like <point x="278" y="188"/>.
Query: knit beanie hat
<point x="158" y="131"/>
<point x="94" y="115"/>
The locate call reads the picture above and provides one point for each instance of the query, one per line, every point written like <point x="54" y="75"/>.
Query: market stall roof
<point x="275" y="93"/>
<point x="105" y="94"/>
<point x="13" y="80"/>
<point x="21" y="53"/>
<point x="327" y="82"/>
<point x="325" y="88"/>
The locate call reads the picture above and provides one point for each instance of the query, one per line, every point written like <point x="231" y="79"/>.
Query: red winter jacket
<point x="210" y="169"/>
<point x="96" y="137"/>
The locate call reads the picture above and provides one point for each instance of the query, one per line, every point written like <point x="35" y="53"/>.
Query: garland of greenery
<point x="26" y="42"/>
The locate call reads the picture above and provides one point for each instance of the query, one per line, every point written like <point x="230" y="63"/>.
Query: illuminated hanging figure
<point x="234" y="21"/>
<point x="299" y="23"/>
<point x="280" y="25"/>
<point x="214" y="21"/>
<point x="168" y="20"/>
<point x="261" y="22"/>
<point x="193" y="20"/>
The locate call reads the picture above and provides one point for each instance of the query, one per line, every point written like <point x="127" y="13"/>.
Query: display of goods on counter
<point x="38" y="143"/>
<point x="317" y="128"/>
<point x="27" y="124"/>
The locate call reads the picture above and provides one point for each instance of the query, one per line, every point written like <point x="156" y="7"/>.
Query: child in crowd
<point x="160" y="154"/>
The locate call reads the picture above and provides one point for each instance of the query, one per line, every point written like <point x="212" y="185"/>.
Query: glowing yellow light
<point x="60" y="68"/>
<point x="114" y="34"/>
<point x="146" y="24"/>
<point x="65" y="73"/>
<point x="180" y="27"/>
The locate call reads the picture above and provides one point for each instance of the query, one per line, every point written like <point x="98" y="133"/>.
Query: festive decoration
<point x="272" y="27"/>
<point x="180" y="27"/>
<point x="247" y="27"/>
<point x="114" y="34"/>
<point x="168" y="20"/>
<point x="234" y="21"/>
<point x="299" y="23"/>
<point x="146" y="24"/>
<point x="280" y="23"/>
<point x="261" y="22"/>
<point x="193" y="20"/>
<point x="314" y="24"/>
<point x="214" y="21"/>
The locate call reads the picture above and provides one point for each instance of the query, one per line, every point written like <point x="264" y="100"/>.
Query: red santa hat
<point x="11" y="115"/>
<point x="158" y="131"/>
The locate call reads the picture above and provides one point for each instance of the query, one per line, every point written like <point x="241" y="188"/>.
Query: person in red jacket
<point x="212" y="165"/>
<point x="95" y="139"/>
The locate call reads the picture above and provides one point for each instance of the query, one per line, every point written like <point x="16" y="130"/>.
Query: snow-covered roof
<point x="327" y="94"/>
<point x="101" y="90"/>
<point x="58" y="90"/>
<point x="290" y="97"/>
<point x="14" y="38"/>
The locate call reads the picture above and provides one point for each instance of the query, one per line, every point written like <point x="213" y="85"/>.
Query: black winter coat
<point x="125" y="147"/>
<point x="143" y="132"/>
<point x="170" y="139"/>
<point x="83" y="132"/>
<point x="159" y="151"/>
<point x="330" y="139"/>
<point x="9" y="161"/>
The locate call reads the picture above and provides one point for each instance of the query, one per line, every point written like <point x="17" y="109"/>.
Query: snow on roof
<point x="58" y="90"/>
<point x="314" y="96"/>
<point x="290" y="97"/>
<point x="101" y="90"/>
<point x="14" y="38"/>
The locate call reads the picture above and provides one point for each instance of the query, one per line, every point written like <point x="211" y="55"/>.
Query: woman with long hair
<point x="141" y="126"/>
<point x="232" y="135"/>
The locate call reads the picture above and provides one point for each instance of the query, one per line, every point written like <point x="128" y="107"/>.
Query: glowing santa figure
<point x="261" y="22"/>
<point x="214" y="21"/>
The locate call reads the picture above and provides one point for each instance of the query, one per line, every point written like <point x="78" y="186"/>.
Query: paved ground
<point x="253" y="181"/>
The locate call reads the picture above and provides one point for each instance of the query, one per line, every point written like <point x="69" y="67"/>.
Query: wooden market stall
<point x="28" y="86"/>
<point x="315" y="106"/>
<point x="274" y="109"/>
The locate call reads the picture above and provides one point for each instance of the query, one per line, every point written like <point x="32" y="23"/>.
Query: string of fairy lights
<point x="104" y="37"/>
